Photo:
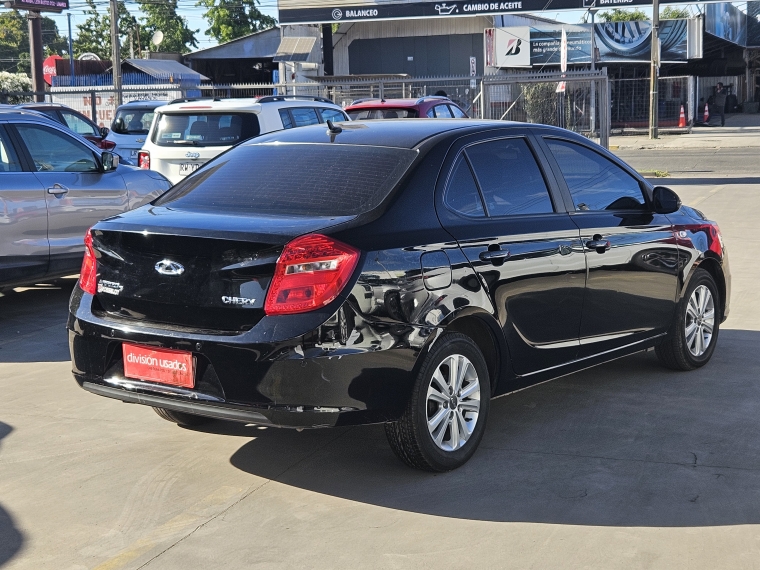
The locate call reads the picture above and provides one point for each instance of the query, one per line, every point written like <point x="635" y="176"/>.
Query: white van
<point x="186" y="134"/>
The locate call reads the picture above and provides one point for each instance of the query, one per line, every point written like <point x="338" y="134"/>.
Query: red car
<point x="74" y="120"/>
<point x="431" y="107"/>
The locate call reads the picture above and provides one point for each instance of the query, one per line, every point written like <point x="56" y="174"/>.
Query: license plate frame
<point x="186" y="168"/>
<point x="160" y="365"/>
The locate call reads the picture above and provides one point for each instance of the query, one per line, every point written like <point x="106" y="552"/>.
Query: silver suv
<point x="54" y="185"/>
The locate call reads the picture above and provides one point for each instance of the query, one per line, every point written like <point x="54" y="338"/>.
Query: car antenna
<point x="332" y="128"/>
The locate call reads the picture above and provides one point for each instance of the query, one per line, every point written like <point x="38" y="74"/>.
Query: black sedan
<point x="403" y="272"/>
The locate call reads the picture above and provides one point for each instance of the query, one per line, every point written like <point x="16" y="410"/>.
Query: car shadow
<point x="624" y="444"/>
<point x="11" y="538"/>
<point x="33" y="322"/>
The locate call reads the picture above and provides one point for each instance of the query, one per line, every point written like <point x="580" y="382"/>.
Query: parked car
<point x="74" y="120"/>
<point x="392" y="271"/>
<point x="130" y="127"/>
<point x="54" y="185"/>
<point x="186" y="134"/>
<point x="432" y="107"/>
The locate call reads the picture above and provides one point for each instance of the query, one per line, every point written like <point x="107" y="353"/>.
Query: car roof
<point x="252" y="104"/>
<point x="146" y="104"/>
<point x="8" y="111"/>
<point x="406" y="103"/>
<point x="42" y="104"/>
<point x="401" y="133"/>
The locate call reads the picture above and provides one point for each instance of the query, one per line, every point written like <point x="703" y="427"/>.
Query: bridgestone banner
<point x="617" y="42"/>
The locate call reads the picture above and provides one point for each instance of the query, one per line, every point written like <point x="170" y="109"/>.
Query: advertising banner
<point x="618" y="42"/>
<point x="727" y="22"/>
<point x="326" y="11"/>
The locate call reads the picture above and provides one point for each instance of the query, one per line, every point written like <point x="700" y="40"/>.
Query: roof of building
<point x="162" y="68"/>
<point x="258" y="45"/>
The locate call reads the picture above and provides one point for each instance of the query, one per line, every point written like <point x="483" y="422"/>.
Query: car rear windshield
<point x="132" y="121"/>
<point x="360" y="114"/>
<point x="293" y="179"/>
<point x="205" y="129"/>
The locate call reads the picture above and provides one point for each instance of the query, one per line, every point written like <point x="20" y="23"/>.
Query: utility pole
<point x="655" y="70"/>
<point x="36" y="55"/>
<point x="592" y="122"/>
<point x="72" y="74"/>
<point x="115" y="51"/>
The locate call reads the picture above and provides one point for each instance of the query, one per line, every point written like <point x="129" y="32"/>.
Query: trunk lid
<point x="200" y="271"/>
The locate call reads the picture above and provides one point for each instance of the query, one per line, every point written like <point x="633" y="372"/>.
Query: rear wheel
<point x="692" y="338"/>
<point x="446" y="415"/>
<point x="181" y="418"/>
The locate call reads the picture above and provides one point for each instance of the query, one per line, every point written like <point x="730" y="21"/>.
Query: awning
<point x="295" y="48"/>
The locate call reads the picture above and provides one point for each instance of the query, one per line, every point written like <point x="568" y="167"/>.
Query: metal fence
<point x="630" y="102"/>
<point x="581" y="106"/>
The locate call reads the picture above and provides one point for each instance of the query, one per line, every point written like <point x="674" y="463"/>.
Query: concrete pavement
<point x="623" y="466"/>
<point x="741" y="131"/>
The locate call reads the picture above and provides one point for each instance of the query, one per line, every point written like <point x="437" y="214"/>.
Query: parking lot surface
<point x="627" y="465"/>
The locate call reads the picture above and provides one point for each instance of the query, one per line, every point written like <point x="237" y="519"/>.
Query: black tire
<point x="674" y="352"/>
<point x="181" y="418"/>
<point x="410" y="438"/>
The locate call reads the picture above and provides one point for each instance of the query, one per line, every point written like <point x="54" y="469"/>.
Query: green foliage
<point x="163" y="16"/>
<point x="541" y="102"/>
<point x="231" y="19"/>
<point x="95" y="33"/>
<point x="14" y="41"/>
<point x="671" y="13"/>
<point x="10" y="82"/>
<point x="620" y="15"/>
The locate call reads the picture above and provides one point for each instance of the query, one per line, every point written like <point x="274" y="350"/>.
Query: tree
<point x="671" y="13"/>
<point x="14" y="41"/>
<point x="230" y="19"/>
<point x="619" y="15"/>
<point x="163" y="16"/>
<point x="95" y="33"/>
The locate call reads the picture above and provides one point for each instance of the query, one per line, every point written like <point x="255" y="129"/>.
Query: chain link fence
<point x="630" y="103"/>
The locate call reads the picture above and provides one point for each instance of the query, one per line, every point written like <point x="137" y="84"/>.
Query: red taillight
<point x="311" y="271"/>
<point x="143" y="159"/>
<point x="107" y="145"/>
<point x="88" y="276"/>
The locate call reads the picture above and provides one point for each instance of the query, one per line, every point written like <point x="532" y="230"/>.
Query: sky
<point x="196" y="21"/>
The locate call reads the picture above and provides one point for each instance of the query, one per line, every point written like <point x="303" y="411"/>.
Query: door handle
<point x="600" y="245"/>
<point x="491" y="256"/>
<point x="57" y="189"/>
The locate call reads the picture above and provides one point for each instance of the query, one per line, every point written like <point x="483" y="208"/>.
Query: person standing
<point x="720" y="103"/>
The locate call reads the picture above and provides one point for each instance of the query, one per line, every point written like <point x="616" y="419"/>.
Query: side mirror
<point x="109" y="160"/>
<point x="104" y="132"/>
<point x="665" y="200"/>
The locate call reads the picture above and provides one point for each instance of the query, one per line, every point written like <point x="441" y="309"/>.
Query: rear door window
<point x="293" y="179"/>
<point x="595" y="182"/>
<point x="382" y="114"/>
<point x="332" y="115"/>
<point x="457" y="112"/>
<point x="462" y="193"/>
<point x="205" y="129"/>
<point x="509" y="178"/>
<point x="304" y="116"/>
<point x="442" y="112"/>
<point x="79" y="125"/>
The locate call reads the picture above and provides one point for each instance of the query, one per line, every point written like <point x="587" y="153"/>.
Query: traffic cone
<point x="707" y="114"/>
<point x="682" y="119"/>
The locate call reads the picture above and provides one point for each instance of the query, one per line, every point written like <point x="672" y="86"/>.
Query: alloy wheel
<point x="453" y="402"/>
<point x="700" y="320"/>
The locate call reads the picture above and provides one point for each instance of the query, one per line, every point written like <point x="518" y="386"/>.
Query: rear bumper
<point x="296" y="382"/>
